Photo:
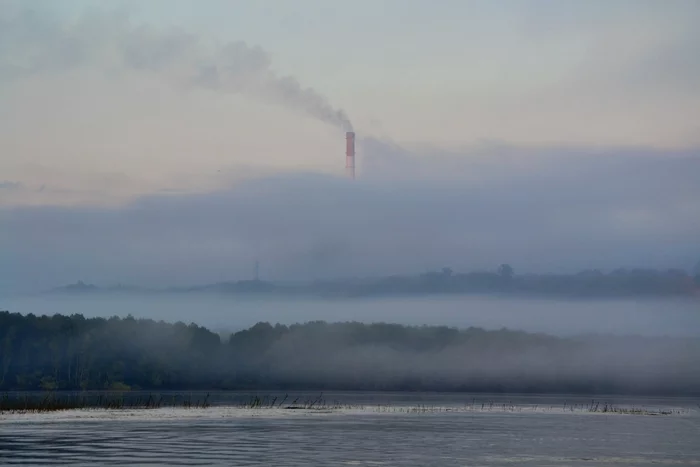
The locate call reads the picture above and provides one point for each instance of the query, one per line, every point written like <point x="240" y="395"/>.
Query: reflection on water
<point x="224" y="436"/>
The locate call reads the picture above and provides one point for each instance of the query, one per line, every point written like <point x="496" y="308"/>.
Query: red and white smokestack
<point x="350" y="154"/>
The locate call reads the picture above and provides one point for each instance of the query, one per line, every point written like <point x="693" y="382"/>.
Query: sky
<point x="138" y="137"/>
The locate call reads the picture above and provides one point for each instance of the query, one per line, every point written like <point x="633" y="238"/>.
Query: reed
<point x="51" y="402"/>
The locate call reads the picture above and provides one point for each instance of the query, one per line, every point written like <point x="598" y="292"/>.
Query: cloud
<point x="552" y="209"/>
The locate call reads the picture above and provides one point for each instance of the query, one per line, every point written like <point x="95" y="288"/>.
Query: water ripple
<point x="214" y="437"/>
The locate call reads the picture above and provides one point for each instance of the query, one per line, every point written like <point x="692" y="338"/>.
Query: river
<point x="373" y="429"/>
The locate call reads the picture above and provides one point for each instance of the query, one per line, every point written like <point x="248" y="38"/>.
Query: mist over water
<point x="663" y="317"/>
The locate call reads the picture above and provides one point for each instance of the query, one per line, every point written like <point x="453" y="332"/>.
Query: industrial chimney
<point x="350" y="154"/>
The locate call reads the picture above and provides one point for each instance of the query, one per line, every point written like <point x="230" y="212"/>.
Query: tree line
<point x="77" y="353"/>
<point x="503" y="281"/>
<point x="585" y="284"/>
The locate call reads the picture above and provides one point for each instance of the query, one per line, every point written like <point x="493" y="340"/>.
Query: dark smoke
<point x="33" y="43"/>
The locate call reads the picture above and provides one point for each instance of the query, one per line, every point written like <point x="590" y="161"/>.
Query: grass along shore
<point x="30" y="402"/>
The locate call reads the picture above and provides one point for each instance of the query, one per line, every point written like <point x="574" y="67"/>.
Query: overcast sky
<point x="554" y="135"/>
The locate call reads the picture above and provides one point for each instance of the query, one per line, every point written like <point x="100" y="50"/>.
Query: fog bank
<point x="557" y="212"/>
<point x="387" y="356"/>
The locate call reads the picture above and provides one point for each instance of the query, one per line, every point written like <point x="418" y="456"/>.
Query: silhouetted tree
<point x="506" y="271"/>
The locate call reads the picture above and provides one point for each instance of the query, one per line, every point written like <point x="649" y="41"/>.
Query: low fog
<point x="72" y="352"/>
<point x="348" y="356"/>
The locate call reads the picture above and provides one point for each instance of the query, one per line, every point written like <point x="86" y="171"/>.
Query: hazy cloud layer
<point x="540" y="210"/>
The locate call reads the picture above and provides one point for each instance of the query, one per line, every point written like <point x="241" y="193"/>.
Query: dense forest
<point x="73" y="352"/>
<point x="503" y="281"/>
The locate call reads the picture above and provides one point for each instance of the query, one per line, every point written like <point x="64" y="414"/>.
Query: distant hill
<point x="81" y="287"/>
<point x="78" y="287"/>
<point x="586" y="284"/>
<point x="245" y="286"/>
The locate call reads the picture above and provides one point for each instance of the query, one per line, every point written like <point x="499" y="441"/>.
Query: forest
<point x="77" y="353"/>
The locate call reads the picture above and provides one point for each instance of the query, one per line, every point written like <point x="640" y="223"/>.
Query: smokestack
<point x="350" y="154"/>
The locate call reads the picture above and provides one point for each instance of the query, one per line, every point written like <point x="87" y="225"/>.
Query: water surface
<point x="539" y="432"/>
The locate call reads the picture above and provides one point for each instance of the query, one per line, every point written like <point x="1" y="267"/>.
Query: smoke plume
<point x="32" y="43"/>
